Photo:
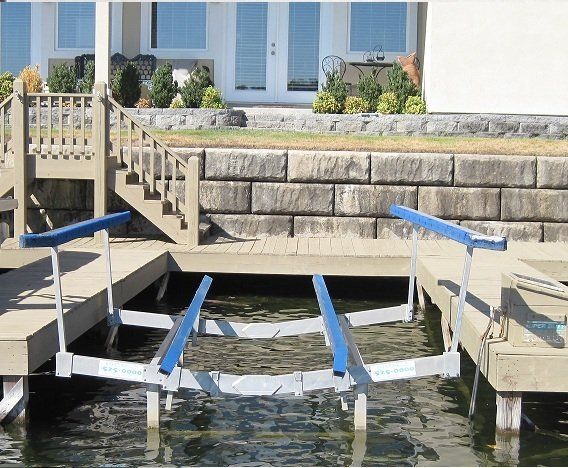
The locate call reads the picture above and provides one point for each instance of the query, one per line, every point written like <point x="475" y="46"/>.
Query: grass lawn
<point x="241" y="138"/>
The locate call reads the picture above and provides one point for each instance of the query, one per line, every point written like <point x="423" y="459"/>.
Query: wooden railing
<point x="156" y="164"/>
<point x="5" y="130"/>
<point x="60" y="124"/>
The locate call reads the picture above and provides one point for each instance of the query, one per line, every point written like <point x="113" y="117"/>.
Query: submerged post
<point x="20" y="136"/>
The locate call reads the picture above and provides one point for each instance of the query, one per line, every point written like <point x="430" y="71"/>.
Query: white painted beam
<point x="102" y="41"/>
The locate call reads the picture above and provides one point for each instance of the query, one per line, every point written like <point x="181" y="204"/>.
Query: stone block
<point x="245" y="164"/>
<point x="371" y="200"/>
<point x="400" y="229"/>
<point x="352" y="125"/>
<point x="555" y="232"/>
<point x="381" y="124"/>
<point x="534" y="128"/>
<point x="475" y="170"/>
<point x="274" y="198"/>
<point x="167" y="121"/>
<point x="559" y="128"/>
<point x="249" y="226"/>
<point x="534" y="205"/>
<point x="473" y="126"/>
<point x="411" y="124"/>
<point x="460" y="203"/>
<point x="223" y="196"/>
<point x="327" y="226"/>
<point x="529" y="232"/>
<point x="441" y="127"/>
<point x="501" y="126"/>
<point x="411" y="168"/>
<point x="328" y="166"/>
<point x="552" y="172"/>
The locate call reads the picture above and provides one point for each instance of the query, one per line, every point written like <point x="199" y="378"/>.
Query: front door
<point x="273" y="52"/>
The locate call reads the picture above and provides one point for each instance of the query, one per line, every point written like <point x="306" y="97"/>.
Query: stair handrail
<point x="190" y="206"/>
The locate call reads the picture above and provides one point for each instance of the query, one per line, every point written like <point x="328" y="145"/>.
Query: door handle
<point x="272" y="53"/>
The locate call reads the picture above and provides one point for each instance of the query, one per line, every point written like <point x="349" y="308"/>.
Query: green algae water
<point x="87" y="421"/>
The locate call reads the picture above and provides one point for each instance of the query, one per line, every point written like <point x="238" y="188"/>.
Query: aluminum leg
<point x="360" y="418"/>
<point x="461" y="299"/>
<point x="412" y="276"/>
<point x="153" y="406"/>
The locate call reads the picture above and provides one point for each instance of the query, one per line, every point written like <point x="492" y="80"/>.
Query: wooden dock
<point x="27" y="325"/>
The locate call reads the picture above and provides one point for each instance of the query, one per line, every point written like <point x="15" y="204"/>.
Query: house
<point x="476" y="57"/>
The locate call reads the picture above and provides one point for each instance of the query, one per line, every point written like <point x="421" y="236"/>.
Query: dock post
<point x="101" y="150"/>
<point x="20" y="137"/>
<point x="153" y="406"/>
<point x="508" y="417"/>
<point x="15" y="400"/>
<point x="360" y="416"/>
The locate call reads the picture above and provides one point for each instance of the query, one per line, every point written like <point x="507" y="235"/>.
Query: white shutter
<point x="378" y="23"/>
<point x="15" y="41"/>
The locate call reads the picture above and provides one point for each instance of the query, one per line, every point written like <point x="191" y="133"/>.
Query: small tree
<point x="194" y="87"/>
<point x="126" y="86"/>
<point x="88" y="81"/>
<point x="369" y="89"/>
<point x="63" y="79"/>
<point x="335" y="86"/>
<point x="164" y="88"/>
<point x="400" y="85"/>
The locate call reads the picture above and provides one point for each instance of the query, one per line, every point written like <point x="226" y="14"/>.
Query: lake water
<point x="87" y="421"/>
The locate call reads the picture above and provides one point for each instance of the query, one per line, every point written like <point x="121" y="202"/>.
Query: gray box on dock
<point x="535" y="311"/>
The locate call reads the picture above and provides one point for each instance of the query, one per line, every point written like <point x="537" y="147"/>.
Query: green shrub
<point x="194" y="87"/>
<point x="326" y="103"/>
<point x="177" y="103"/>
<point x="400" y="84"/>
<point x="87" y="83"/>
<point x="212" y="99"/>
<point x="63" y="79"/>
<point x="164" y="88"/>
<point x="369" y="89"/>
<point x="6" y="85"/>
<point x="356" y="105"/>
<point x="415" y="105"/>
<point x="388" y="104"/>
<point x="126" y="86"/>
<point x="335" y="86"/>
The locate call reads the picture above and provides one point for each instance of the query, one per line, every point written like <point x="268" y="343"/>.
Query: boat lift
<point x="168" y="373"/>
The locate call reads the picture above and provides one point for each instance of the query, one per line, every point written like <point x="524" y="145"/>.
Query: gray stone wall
<point x="470" y="125"/>
<point x="258" y="193"/>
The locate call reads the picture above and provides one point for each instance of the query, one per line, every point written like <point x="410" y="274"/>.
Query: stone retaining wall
<point x="259" y="193"/>
<point x="481" y="125"/>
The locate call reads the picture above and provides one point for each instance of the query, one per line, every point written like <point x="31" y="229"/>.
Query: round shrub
<point x="194" y="87"/>
<point x="87" y="83"/>
<point x="388" y="104"/>
<point x="369" y="89"/>
<point x="415" y="105"/>
<point x="177" y="103"/>
<point x="212" y="99"/>
<point x="355" y="105"/>
<point x="326" y="103"/>
<point x="32" y="78"/>
<point x="6" y="85"/>
<point x="63" y="79"/>
<point x="164" y="88"/>
<point x="126" y="86"/>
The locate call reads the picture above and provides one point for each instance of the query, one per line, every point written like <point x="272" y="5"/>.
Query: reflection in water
<point x="84" y="421"/>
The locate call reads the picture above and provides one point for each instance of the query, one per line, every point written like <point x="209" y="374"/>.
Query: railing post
<point x="101" y="148"/>
<point x="20" y="134"/>
<point x="192" y="201"/>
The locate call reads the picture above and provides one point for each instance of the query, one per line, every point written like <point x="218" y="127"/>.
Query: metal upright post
<point x="412" y="276"/>
<point x="110" y="306"/>
<point x="101" y="149"/>
<point x="58" y="298"/>
<point x="461" y="299"/>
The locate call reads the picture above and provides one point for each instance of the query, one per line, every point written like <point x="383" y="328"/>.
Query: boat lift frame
<point x="166" y="371"/>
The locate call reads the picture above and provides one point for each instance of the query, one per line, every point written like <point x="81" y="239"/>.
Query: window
<point x="250" y="52"/>
<point x="76" y="25"/>
<point x="303" y="46"/>
<point x="180" y="25"/>
<point x="378" y="23"/>
<point x="15" y="30"/>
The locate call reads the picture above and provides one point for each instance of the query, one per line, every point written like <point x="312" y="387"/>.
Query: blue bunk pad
<point x="451" y="231"/>
<point x="173" y="353"/>
<point x="74" y="231"/>
<point x="331" y="323"/>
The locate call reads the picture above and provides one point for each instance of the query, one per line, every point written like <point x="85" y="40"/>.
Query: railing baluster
<point x="38" y="124"/>
<point x="83" y="137"/>
<point x="49" y="125"/>
<point x="141" y="155"/>
<point x="61" y="141"/>
<point x="131" y="161"/>
<point x="163" y="172"/>
<point x="72" y="122"/>
<point x="118" y="119"/>
<point x="3" y="135"/>
<point x="173" y="187"/>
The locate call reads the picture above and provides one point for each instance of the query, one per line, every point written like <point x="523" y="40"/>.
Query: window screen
<point x="378" y="23"/>
<point x="76" y="25"/>
<point x="180" y="25"/>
